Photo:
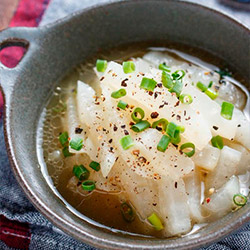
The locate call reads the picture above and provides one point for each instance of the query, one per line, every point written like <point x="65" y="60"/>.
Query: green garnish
<point x="186" y="99"/>
<point x="212" y="94"/>
<point x="66" y="152"/>
<point x="63" y="138"/>
<point x="119" y="93"/>
<point x="176" y="88"/>
<point x="81" y="172"/>
<point x="140" y="126"/>
<point x="177" y="76"/>
<point x="164" y="67"/>
<point x="135" y="113"/>
<point x="210" y="84"/>
<point x="223" y="73"/>
<point x="122" y="105"/>
<point x="227" y="109"/>
<point x="160" y="123"/>
<point x="128" y="67"/>
<point x="166" y="80"/>
<point x="155" y="221"/>
<point x="76" y="143"/>
<point x="101" y="65"/>
<point x="127" y="212"/>
<point x="95" y="165"/>
<point x="88" y="185"/>
<point x="217" y="142"/>
<point x="240" y="200"/>
<point x="174" y="132"/>
<point x="201" y="86"/>
<point x="126" y="142"/>
<point x="188" y="145"/>
<point x="163" y="143"/>
<point x="148" y="84"/>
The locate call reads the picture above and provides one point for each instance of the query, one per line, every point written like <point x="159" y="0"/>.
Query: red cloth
<point x="28" y="13"/>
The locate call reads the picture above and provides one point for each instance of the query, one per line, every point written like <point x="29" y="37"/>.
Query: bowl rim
<point x="81" y="234"/>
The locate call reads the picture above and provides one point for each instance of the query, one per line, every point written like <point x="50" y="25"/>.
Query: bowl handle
<point x="19" y="36"/>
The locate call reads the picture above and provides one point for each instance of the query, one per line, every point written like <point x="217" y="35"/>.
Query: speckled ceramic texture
<point x="53" y="50"/>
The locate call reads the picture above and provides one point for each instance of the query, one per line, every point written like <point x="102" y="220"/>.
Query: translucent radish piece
<point x="244" y="164"/>
<point x="173" y="205"/>
<point x="207" y="158"/>
<point x="226" y="167"/>
<point x="91" y="114"/>
<point x="193" y="190"/>
<point x="243" y="130"/>
<point x="221" y="202"/>
<point x="166" y="104"/>
<point x="73" y="122"/>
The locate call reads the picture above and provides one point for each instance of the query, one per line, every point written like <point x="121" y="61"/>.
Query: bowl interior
<point x="60" y="47"/>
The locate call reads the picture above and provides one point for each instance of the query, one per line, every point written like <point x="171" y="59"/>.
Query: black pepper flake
<point x="185" y="112"/>
<point x="239" y="126"/>
<point x="154" y="115"/>
<point x="78" y="130"/>
<point x="222" y="82"/>
<point x="175" y="184"/>
<point x="172" y="115"/>
<point x="155" y="95"/>
<point x="150" y="93"/>
<point x="215" y="128"/>
<point x="123" y="83"/>
<point x="154" y="204"/>
<point x="102" y="78"/>
<point x="115" y="128"/>
<point x="177" y="104"/>
<point x="175" y="166"/>
<point x="123" y="126"/>
<point x="126" y="132"/>
<point x="142" y="159"/>
<point x="217" y="87"/>
<point x="131" y="123"/>
<point x="178" y="118"/>
<point x="158" y="128"/>
<point x="111" y="149"/>
<point x="159" y="85"/>
<point x="110" y="141"/>
<point x="78" y="183"/>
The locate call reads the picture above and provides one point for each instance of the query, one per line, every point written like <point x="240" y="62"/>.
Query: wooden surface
<point x="7" y="8"/>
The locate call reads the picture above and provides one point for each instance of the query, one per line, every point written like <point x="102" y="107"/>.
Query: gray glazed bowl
<point x="53" y="50"/>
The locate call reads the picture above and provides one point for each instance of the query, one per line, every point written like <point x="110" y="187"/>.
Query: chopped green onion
<point x="66" y="152"/>
<point x="88" y="185"/>
<point x="122" y="105"/>
<point x="127" y="212"/>
<point x="174" y="132"/>
<point x="126" y="142"/>
<point x="160" y="123"/>
<point x="95" y="165"/>
<point x="212" y="94"/>
<point x="163" y="143"/>
<point x="186" y="99"/>
<point x="155" y="221"/>
<point x="240" y="200"/>
<point x="210" y="84"/>
<point x="164" y="67"/>
<point x="188" y="145"/>
<point x="101" y="65"/>
<point x="135" y="114"/>
<point x="128" y="67"/>
<point x="177" y="76"/>
<point x="227" y="109"/>
<point x="217" y="142"/>
<point x="81" y="172"/>
<point x="148" y="84"/>
<point x="140" y="126"/>
<point x="201" y="86"/>
<point x="223" y="73"/>
<point x="166" y="80"/>
<point x="176" y="88"/>
<point x="63" y="138"/>
<point x="76" y="143"/>
<point x="119" y="93"/>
